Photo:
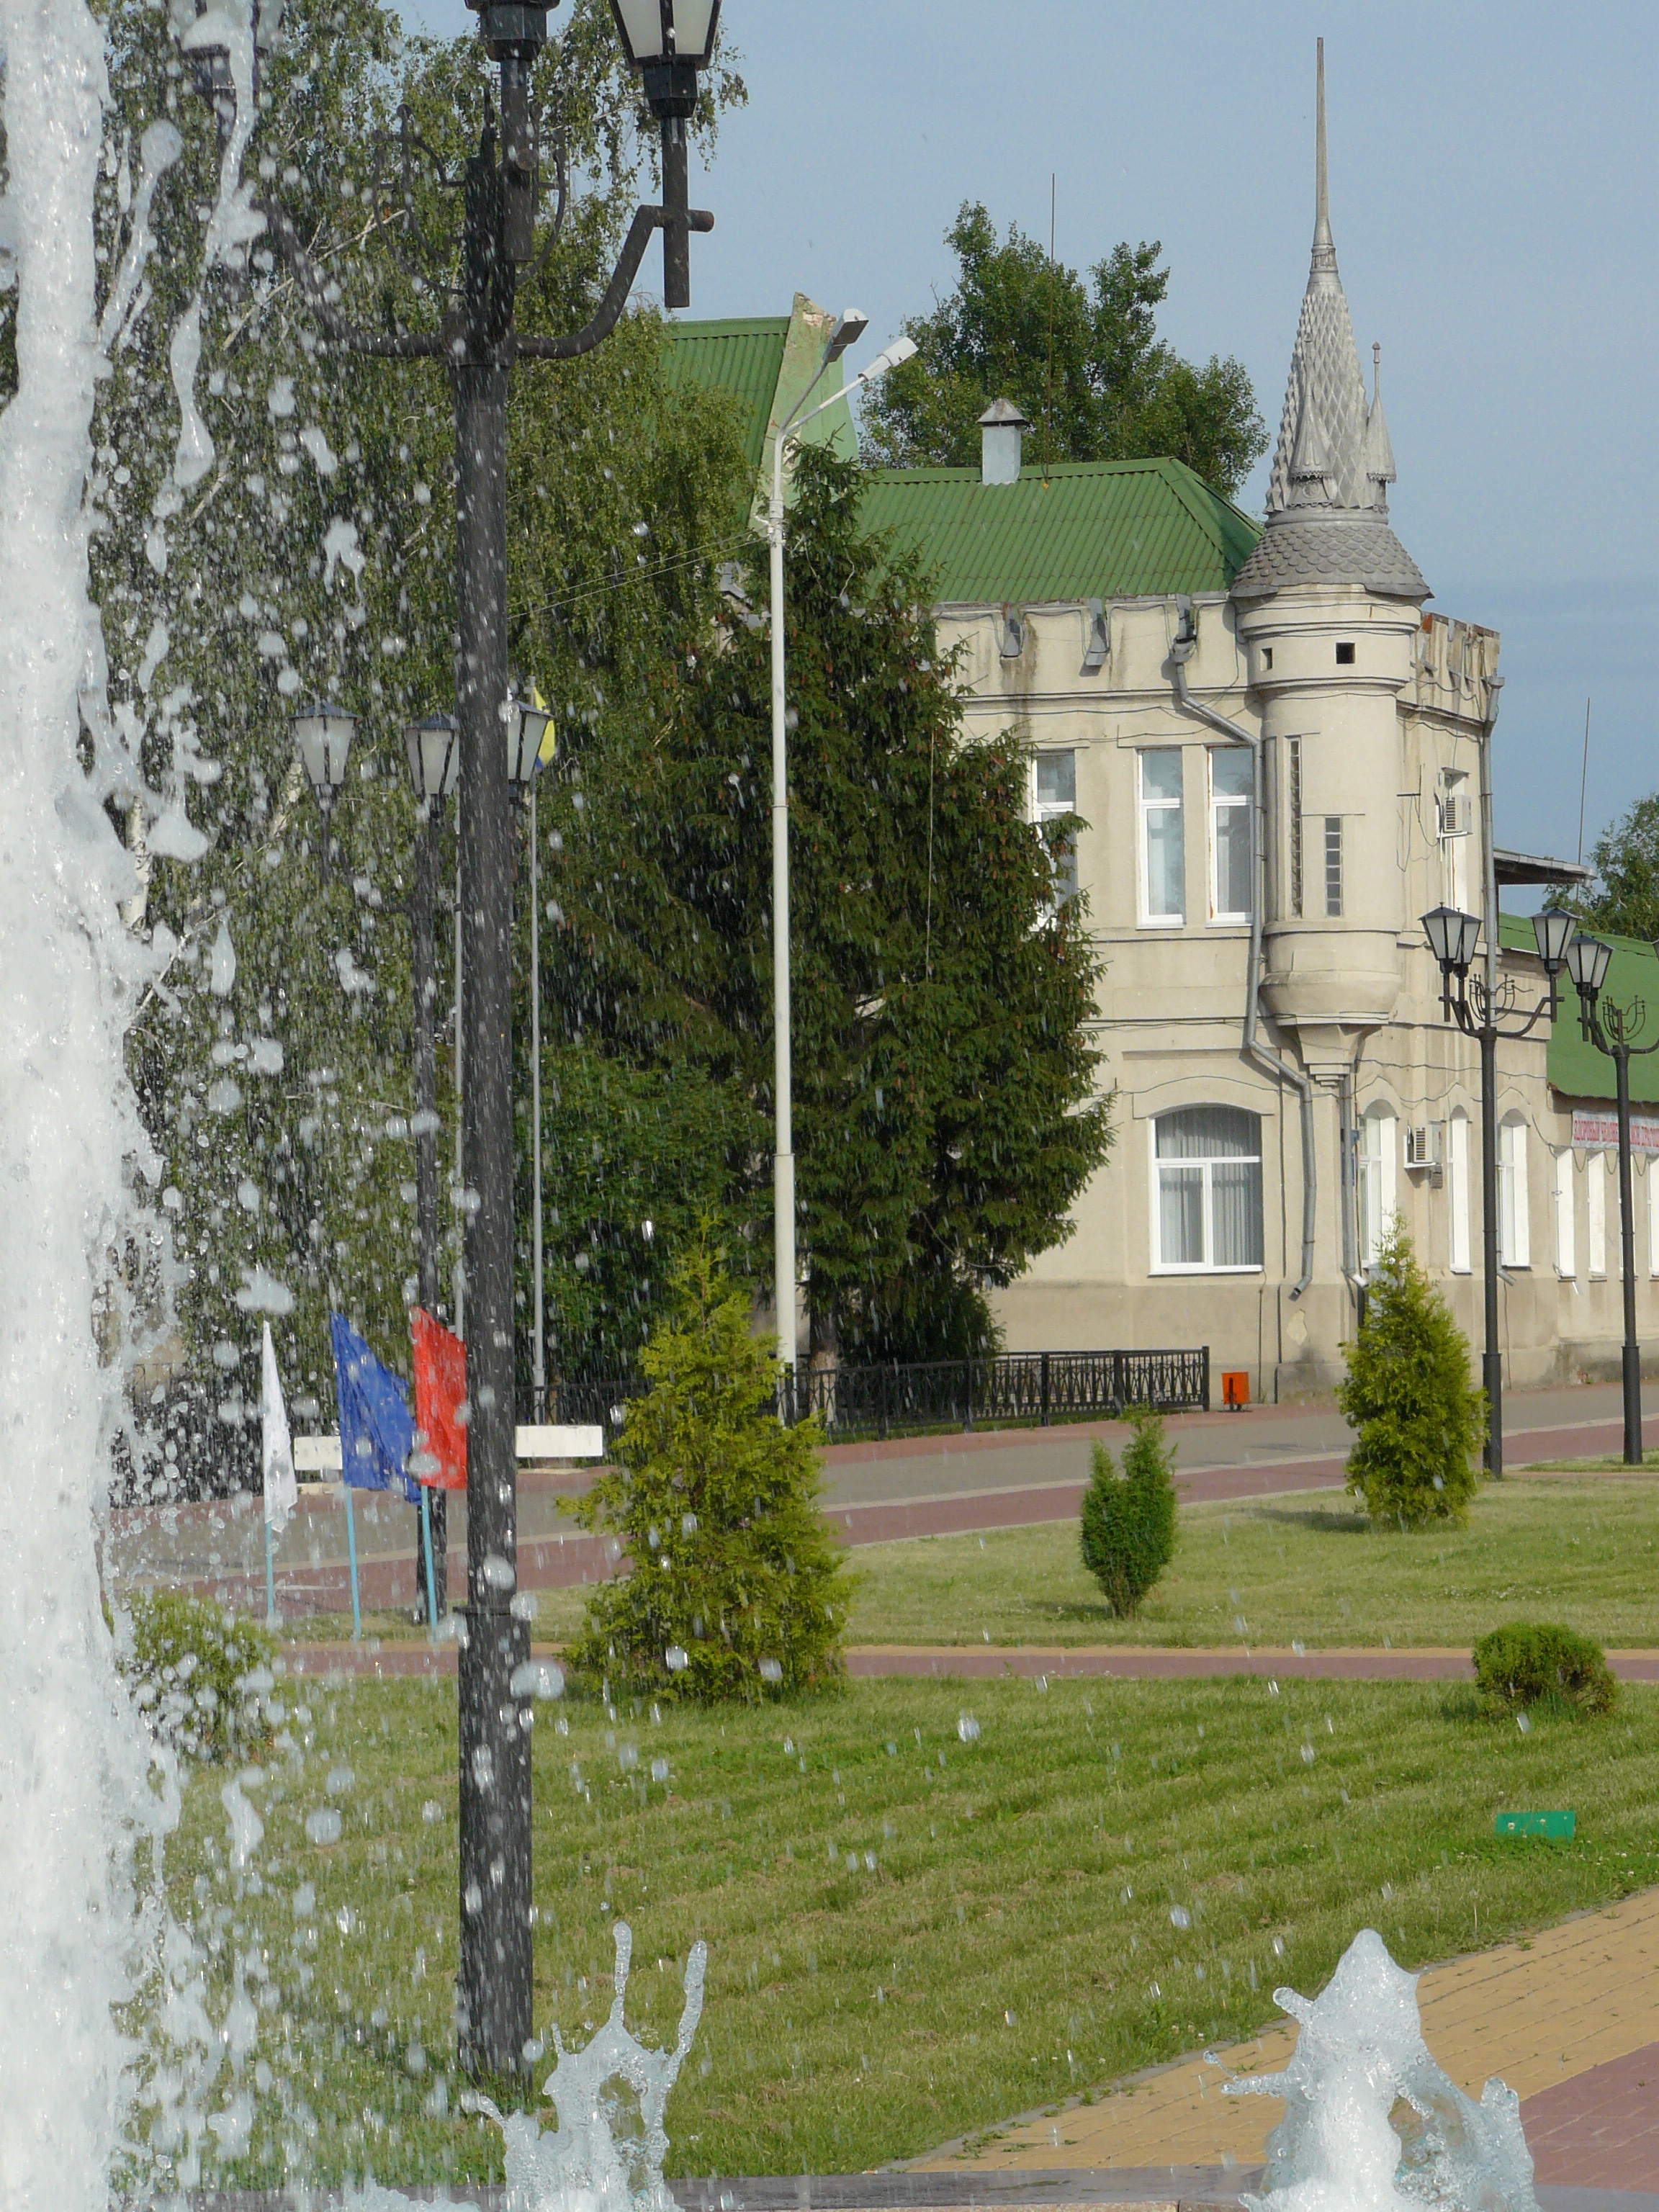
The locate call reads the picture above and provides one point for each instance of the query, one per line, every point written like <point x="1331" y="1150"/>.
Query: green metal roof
<point x="1576" y="1068"/>
<point x="1087" y="530"/>
<point x="766" y="362"/>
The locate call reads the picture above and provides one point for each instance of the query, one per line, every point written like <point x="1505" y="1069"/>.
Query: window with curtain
<point x="1566" y="1258"/>
<point x="1232" y="790"/>
<point x="1206" y="1190"/>
<point x="1379" y="1145"/>
<point x="1652" y="1181"/>
<point x="1596" y="1189"/>
<point x="1457" y="1190"/>
<point x="1054" y="796"/>
<point x="1163" y="838"/>
<point x="1514" y="1222"/>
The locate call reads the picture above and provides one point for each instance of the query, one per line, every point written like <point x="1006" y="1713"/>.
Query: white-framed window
<point x="1652" y="1181"/>
<point x="1514" y="1219"/>
<point x="1595" y="1190"/>
<point x="1232" y="793"/>
<point x="1163" y="839"/>
<point x="1457" y="1190"/>
<point x="1206" y="1191"/>
<point x="1455" y="827"/>
<point x="1566" y="1258"/>
<point x="1054" y="796"/>
<point x="1379" y="1152"/>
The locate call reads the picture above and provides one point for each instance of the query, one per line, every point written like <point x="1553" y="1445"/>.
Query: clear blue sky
<point x="1493" y="173"/>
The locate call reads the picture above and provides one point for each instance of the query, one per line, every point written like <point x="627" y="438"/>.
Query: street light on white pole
<point x="849" y="327"/>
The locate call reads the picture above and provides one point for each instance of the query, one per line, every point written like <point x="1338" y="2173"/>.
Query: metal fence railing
<point x="1013" y="1389"/>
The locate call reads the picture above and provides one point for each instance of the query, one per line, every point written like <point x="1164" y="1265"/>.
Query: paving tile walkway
<point x="1570" y="2019"/>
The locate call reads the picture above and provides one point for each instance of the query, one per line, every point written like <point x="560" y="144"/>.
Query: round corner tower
<point x="1327" y="607"/>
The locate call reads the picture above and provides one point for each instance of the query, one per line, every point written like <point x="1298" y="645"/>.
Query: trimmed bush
<point x="737" y="1588"/>
<point x="1129" y="1519"/>
<point x="197" y="1673"/>
<point x="1528" y="1663"/>
<point x="1419" y="1421"/>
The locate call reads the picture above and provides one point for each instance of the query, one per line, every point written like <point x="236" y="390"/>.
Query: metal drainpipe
<point x="1269" y="1062"/>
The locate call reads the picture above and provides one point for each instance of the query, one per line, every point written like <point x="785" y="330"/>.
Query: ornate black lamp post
<point x="1487" y="1015"/>
<point x="475" y="279"/>
<point x="1614" y="1031"/>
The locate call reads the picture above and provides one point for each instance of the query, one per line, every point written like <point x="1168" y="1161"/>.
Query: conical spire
<point x="1328" y="513"/>
<point x="1324" y="246"/>
<point x="1325" y="397"/>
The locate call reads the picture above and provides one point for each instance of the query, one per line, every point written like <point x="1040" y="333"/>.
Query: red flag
<point x="439" y="1392"/>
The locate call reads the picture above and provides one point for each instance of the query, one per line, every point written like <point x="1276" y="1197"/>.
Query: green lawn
<point x="912" y="1933"/>
<point x="1308" y="1569"/>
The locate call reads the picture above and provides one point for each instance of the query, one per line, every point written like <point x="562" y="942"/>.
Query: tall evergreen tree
<point x="945" y="1107"/>
<point x="1115" y="392"/>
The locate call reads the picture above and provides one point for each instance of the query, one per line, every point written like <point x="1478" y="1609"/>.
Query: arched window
<point x="1206" y="1190"/>
<point x="1379" y="1151"/>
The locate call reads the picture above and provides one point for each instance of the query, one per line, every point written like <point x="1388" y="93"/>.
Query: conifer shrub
<point x="1418" y="1420"/>
<point x="738" y="1589"/>
<point x="1129" y="1519"/>
<point x="198" y="1673"/>
<point x="1528" y="1663"/>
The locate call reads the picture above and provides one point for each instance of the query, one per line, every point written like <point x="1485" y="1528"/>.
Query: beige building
<point x="1278" y="757"/>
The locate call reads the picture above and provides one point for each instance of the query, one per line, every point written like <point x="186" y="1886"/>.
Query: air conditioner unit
<point x="1457" y="815"/>
<point x="1425" y="1145"/>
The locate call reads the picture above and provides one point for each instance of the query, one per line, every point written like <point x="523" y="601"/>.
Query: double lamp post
<point x="473" y="282"/>
<point x="1486" y="1010"/>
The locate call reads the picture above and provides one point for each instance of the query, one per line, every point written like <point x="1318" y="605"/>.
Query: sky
<point x="1493" y="179"/>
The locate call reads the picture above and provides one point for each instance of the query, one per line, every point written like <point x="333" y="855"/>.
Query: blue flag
<point x="377" y="1430"/>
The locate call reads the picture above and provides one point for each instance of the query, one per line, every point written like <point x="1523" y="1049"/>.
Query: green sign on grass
<point x="1557" y="1825"/>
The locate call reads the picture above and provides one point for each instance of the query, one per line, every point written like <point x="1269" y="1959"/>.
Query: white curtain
<point x="1595" y="1184"/>
<point x="1457" y="1190"/>
<point x="1566" y="1261"/>
<point x="1514" y="1220"/>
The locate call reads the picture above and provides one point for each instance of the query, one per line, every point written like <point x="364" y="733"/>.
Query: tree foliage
<point x="738" y="1589"/>
<point x="1419" y="1420"/>
<point x="945" y="1117"/>
<point x="1527" y="1663"/>
<point x="1117" y="391"/>
<point x="1624" y="898"/>
<point x="1129" y="1525"/>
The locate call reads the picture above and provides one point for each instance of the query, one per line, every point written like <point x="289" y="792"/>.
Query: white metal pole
<point x="784" y="1167"/>
<point x="538" y="1366"/>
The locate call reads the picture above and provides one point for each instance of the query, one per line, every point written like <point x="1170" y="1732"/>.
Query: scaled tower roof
<point x="1328" y="509"/>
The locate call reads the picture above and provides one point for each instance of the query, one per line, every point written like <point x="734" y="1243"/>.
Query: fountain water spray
<point x="73" y="1761"/>
<point x="1359" y="2058"/>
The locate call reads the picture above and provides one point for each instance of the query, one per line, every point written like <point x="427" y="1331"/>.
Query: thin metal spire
<point x="1324" y="248"/>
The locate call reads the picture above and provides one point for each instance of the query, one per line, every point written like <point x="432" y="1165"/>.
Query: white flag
<point x="277" y="1450"/>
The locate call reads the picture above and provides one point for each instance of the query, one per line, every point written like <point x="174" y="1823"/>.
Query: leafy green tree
<point x="1116" y="391"/>
<point x="1128" y="1523"/>
<point x="945" y="1114"/>
<point x="1419" y="1420"/>
<point x="737" y="1588"/>
<point x="1625" y="897"/>
<point x="314" y="559"/>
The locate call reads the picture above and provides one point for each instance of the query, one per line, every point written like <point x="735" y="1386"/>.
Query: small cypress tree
<point x="1417" y="1418"/>
<point x="739" y="1590"/>
<point x="1129" y="1519"/>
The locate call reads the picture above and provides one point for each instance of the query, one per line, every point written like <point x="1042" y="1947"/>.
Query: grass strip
<point x="927" y="1906"/>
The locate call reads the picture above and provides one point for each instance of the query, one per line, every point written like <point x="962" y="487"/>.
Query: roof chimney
<point x="1001" y="428"/>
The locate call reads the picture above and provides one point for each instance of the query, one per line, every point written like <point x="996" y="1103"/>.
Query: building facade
<point x="1273" y="759"/>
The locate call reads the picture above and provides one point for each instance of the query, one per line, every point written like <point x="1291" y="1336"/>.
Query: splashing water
<point x="1360" y="2056"/>
<point x="584" y="2164"/>
<point x="73" y="1763"/>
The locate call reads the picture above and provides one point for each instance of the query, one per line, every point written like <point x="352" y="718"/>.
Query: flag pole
<point x="431" y="1586"/>
<point x="351" y="1554"/>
